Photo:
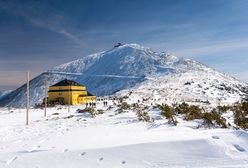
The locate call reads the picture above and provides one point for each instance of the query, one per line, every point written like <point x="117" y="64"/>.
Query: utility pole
<point x="27" y="108"/>
<point x="69" y="99"/>
<point x="45" y="111"/>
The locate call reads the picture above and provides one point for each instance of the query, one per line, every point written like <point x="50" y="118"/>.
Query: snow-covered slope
<point x="141" y="69"/>
<point x="205" y="86"/>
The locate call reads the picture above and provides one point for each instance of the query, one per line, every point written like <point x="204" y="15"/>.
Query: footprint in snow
<point x="11" y="160"/>
<point x="123" y="162"/>
<point x="83" y="153"/>
<point x="100" y="159"/>
<point x="65" y="150"/>
<point x="239" y="148"/>
<point x="215" y="137"/>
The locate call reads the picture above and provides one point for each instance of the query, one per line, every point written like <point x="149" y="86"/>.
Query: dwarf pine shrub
<point x="169" y="113"/>
<point x="90" y="110"/>
<point x="240" y="113"/>
<point x="123" y="107"/>
<point x="182" y="108"/>
<point x="193" y="112"/>
<point x="135" y="106"/>
<point x="223" y="109"/>
<point x="143" y="115"/>
<point x="213" y="118"/>
<point x="100" y="111"/>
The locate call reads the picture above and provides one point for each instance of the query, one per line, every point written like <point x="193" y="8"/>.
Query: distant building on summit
<point x="69" y="92"/>
<point x="118" y="45"/>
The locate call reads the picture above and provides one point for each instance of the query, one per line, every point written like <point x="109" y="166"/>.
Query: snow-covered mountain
<point x="4" y="93"/>
<point x="135" y="70"/>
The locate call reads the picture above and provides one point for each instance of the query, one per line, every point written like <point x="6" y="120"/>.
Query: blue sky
<point x="37" y="35"/>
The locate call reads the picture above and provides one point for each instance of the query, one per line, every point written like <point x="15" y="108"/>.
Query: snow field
<point x="63" y="140"/>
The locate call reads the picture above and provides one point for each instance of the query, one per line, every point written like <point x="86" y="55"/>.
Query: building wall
<point x="53" y="96"/>
<point x="70" y="94"/>
<point x="87" y="99"/>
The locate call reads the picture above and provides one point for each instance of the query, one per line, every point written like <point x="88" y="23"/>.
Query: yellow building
<point x="69" y="92"/>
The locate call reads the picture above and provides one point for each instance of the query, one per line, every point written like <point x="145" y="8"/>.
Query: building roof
<point x="88" y="94"/>
<point x="67" y="82"/>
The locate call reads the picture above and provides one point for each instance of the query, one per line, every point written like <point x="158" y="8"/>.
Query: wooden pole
<point x="45" y="111"/>
<point x="27" y="108"/>
<point x="69" y="99"/>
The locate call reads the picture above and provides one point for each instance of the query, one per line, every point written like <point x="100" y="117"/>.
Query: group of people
<point x="90" y="105"/>
<point x="105" y="103"/>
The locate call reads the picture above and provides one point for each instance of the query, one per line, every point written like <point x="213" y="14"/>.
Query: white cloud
<point x="209" y="49"/>
<point x="52" y="23"/>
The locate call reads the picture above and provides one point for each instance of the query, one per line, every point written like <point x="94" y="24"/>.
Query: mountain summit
<point x="131" y="68"/>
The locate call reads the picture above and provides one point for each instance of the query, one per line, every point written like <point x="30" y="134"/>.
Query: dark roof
<point x="89" y="94"/>
<point x="67" y="82"/>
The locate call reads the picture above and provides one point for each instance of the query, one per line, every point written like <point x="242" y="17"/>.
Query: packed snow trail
<point x="95" y="75"/>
